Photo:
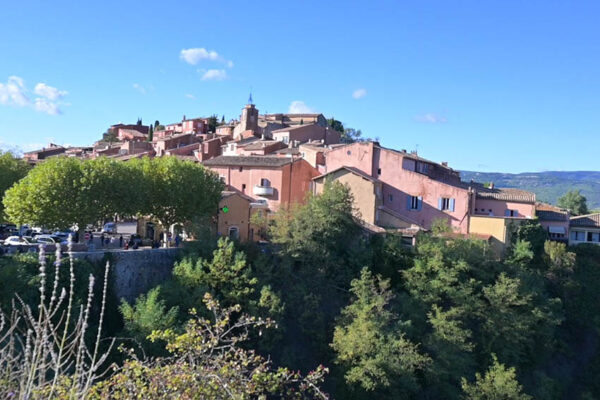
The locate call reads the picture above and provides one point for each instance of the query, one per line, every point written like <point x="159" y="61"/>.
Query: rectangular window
<point x="241" y="169"/>
<point x="243" y="186"/>
<point x="578" y="236"/>
<point x="511" y="213"/>
<point x="285" y="139"/>
<point x="593" y="237"/>
<point x="390" y="198"/>
<point x="265" y="182"/>
<point x="414" y="203"/>
<point x="446" y="204"/>
<point x="378" y="171"/>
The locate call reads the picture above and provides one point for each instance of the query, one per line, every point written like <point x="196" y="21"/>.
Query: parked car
<point x="51" y="239"/>
<point x="109" y="227"/>
<point x="64" y="235"/>
<point x="21" y="243"/>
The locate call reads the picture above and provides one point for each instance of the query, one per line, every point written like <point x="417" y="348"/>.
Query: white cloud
<point x="49" y="92"/>
<point x="214" y="75"/>
<point x="15" y="93"/>
<point x="195" y="55"/>
<point x="431" y="118"/>
<point x="299" y="107"/>
<point x="46" y="106"/>
<point x="359" y="93"/>
<point x="139" y="88"/>
<point x="12" y="93"/>
<point x="190" y="96"/>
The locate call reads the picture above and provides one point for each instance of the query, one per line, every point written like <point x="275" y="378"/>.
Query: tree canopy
<point x="12" y="169"/>
<point x="574" y="201"/>
<point x="64" y="191"/>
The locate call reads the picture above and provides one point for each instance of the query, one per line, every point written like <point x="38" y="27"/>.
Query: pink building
<point x="412" y="187"/>
<point x="211" y="148"/>
<point x="131" y="135"/>
<point x="196" y="125"/>
<point x="554" y="220"/>
<point x="422" y="191"/>
<point x="503" y="202"/>
<point x="275" y="181"/>
<point x="304" y="133"/>
<point x="33" y="157"/>
<point x="161" y="145"/>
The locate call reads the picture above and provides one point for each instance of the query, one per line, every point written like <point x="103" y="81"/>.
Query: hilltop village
<point x="272" y="161"/>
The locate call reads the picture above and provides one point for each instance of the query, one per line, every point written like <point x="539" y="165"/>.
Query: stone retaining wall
<point x="135" y="271"/>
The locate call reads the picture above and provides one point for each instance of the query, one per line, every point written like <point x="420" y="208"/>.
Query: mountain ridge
<point x="547" y="185"/>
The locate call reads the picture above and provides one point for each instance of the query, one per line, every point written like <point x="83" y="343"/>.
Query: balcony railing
<point x="263" y="190"/>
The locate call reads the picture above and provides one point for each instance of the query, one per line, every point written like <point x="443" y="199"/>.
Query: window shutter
<point x="507" y="213"/>
<point x="420" y="203"/>
<point x="451" y="204"/>
<point x="408" y="202"/>
<point x="440" y="203"/>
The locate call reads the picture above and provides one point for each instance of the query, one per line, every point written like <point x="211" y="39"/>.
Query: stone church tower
<point x="248" y="120"/>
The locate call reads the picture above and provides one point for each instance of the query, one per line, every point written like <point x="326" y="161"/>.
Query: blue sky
<point x="506" y="86"/>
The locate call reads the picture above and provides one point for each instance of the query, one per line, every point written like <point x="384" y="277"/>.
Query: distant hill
<point x="548" y="186"/>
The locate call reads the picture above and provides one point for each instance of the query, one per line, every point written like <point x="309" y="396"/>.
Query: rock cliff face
<point x="135" y="272"/>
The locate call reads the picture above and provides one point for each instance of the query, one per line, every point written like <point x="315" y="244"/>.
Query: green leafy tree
<point x="149" y="313"/>
<point x="370" y="344"/>
<point x="498" y="383"/>
<point x="227" y="276"/>
<point x="336" y="125"/>
<point x="208" y="361"/>
<point x="351" y="135"/>
<point x="320" y="229"/>
<point x="522" y="254"/>
<point x="574" y="201"/>
<point x="12" y="169"/>
<point x="515" y="322"/>
<point x="213" y="122"/>
<point x="156" y="125"/>
<point x="65" y="191"/>
<point x="51" y="195"/>
<point x="176" y="191"/>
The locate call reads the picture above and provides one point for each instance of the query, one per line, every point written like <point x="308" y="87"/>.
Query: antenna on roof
<point x="417" y="149"/>
<point x="250" y="98"/>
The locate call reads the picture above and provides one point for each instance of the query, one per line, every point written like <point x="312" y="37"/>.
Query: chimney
<point x="404" y="150"/>
<point x="445" y="163"/>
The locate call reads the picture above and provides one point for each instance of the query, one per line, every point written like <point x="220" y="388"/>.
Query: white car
<point x="50" y="239"/>
<point x="19" y="241"/>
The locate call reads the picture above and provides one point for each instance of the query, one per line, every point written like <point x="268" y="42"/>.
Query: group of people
<point x="133" y="242"/>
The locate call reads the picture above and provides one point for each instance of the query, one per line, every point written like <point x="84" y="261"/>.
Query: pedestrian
<point x="121" y="241"/>
<point x="102" y="240"/>
<point x="126" y="246"/>
<point x="91" y="239"/>
<point x="177" y="240"/>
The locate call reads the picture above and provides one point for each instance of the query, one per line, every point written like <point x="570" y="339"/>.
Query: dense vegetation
<point x="445" y="320"/>
<point x="12" y="169"/>
<point x="63" y="191"/>
<point x="548" y="186"/>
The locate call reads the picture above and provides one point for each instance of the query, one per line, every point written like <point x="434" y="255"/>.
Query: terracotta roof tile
<point x="590" y="220"/>
<point x="248" y="161"/>
<point x="506" y="194"/>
